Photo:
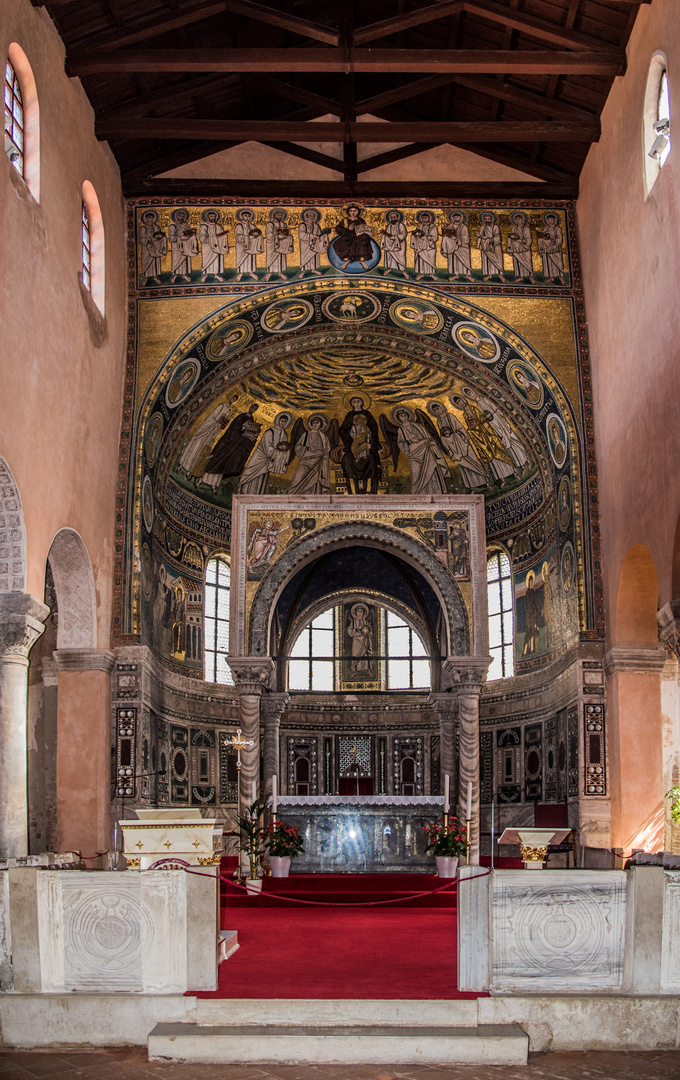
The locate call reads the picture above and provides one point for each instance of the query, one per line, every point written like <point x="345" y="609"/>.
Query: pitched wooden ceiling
<point x="521" y="82"/>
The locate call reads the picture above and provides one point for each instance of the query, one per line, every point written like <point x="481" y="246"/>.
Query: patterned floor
<point x="131" y="1064"/>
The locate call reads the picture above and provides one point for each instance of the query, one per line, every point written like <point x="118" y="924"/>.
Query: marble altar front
<point x="364" y="834"/>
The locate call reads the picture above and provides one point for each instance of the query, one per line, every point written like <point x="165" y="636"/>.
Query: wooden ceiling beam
<point x="404" y="21"/>
<point x="169" y="95"/>
<point x="504" y="91"/>
<point x="401" y="61"/>
<point x="307" y="154"/>
<point x="144" y="29"/>
<point x="295" y="93"/>
<point x="401" y="93"/>
<point x="277" y="17"/>
<point x="522" y="131"/>
<point x="505" y="155"/>
<point x="313" y="190"/>
<point x="531" y="25"/>
<point x="390" y="156"/>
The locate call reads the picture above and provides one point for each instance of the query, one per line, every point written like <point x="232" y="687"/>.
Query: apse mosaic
<point x="196" y="244"/>
<point x="349" y="351"/>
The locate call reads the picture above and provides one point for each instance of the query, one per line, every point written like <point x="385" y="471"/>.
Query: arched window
<point x="314" y="659"/>
<point x="14" y="119"/>
<point x="501" y="622"/>
<point x="216" y="621"/>
<point x="22" y="118"/>
<point x="657" y="120"/>
<point x="406" y="670"/>
<point x="93" y="263"/>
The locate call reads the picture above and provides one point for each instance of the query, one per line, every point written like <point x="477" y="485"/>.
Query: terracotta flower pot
<point x="280" y="865"/>
<point x="446" y="865"/>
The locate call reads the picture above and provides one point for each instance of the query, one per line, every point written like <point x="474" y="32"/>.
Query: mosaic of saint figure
<point x="183" y="245"/>
<point x="233" y="449"/>
<point x="519" y="246"/>
<point x="205" y="436"/>
<point x="154" y="245"/>
<point x="414" y="435"/>
<point x="550" y="248"/>
<point x="313" y="242"/>
<point x="360" y="630"/>
<point x="279" y="243"/>
<point x="456" y="443"/>
<point x="214" y="246"/>
<point x="312" y="448"/>
<point x="489" y="243"/>
<point x="249" y="244"/>
<point x="456" y="246"/>
<point x="424" y="244"/>
<point x="271" y="455"/>
<point x="393" y="242"/>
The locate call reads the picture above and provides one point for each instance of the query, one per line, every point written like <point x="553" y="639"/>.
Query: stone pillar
<point x="446" y="705"/>
<point x="22" y="620"/>
<point x="468" y="674"/>
<point x="84" y="750"/>
<point x="273" y="707"/>
<point x="635" y="748"/>
<point x="669" y="632"/>
<point x="251" y="675"/>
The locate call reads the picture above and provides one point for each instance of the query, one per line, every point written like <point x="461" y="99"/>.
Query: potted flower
<point x="284" y="843"/>
<point x="447" y="841"/>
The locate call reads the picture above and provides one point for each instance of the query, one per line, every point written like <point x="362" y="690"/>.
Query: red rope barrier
<point x="340" y="903"/>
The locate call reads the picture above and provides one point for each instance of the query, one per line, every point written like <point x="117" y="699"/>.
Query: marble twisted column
<point x="468" y="673"/>
<point x="22" y="620"/>
<point x="251" y="675"/>
<point x="446" y="705"/>
<point x="273" y="707"/>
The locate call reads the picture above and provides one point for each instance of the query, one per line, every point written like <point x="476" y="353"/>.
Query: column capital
<point x="84" y="660"/>
<point x="22" y="620"/>
<point x="445" y="702"/>
<point x="273" y="705"/>
<point x="467" y="673"/>
<point x="668" y="618"/>
<point x="636" y="661"/>
<point x="251" y="673"/>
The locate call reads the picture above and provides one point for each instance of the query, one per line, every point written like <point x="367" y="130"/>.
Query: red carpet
<point x="396" y="953"/>
<point x="291" y="950"/>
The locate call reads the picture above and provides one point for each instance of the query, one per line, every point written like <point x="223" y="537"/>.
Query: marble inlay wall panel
<point x="670" y="948"/>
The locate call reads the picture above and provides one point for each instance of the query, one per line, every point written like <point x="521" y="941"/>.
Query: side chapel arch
<point x="12" y="534"/>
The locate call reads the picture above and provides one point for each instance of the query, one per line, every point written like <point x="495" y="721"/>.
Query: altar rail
<point x="569" y="931"/>
<point x="148" y="932"/>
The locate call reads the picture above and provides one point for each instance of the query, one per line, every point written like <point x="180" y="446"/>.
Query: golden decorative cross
<point x="238" y="743"/>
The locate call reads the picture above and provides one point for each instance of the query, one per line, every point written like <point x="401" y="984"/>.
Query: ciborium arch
<point x="391" y="523"/>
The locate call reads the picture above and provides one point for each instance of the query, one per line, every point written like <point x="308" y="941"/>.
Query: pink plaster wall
<point x="62" y="364"/>
<point x="630" y="249"/>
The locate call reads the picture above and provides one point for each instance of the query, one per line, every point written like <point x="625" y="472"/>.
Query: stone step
<point x="354" y="1012"/>
<point x="491" y="1044"/>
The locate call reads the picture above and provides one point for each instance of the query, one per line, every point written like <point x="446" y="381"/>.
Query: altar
<point x="362" y="833"/>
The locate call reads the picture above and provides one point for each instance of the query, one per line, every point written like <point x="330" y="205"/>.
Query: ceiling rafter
<point x="605" y="61"/>
<point x="523" y="131"/>
<point x="405" y="20"/>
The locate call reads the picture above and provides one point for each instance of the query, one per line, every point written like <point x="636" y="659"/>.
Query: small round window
<point x="657" y="120"/>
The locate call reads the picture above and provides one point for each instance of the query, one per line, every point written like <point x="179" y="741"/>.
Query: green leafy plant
<point x="674" y="794"/>
<point x="447" y="839"/>
<point x="249" y="828"/>
<point x="282" y="840"/>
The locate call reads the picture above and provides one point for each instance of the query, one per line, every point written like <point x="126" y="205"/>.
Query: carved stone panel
<point x="99" y="935"/>
<point x="670" y="945"/>
<point x="555" y="934"/>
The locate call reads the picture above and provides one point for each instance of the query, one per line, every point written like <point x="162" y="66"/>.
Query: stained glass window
<point x="87" y="251"/>
<point x="14" y="120"/>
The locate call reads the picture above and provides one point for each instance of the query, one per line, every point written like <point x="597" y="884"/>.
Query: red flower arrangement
<point x="282" y="839"/>
<point x="446" y="839"/>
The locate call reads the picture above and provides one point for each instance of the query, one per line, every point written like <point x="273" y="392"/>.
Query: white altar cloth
<point x="173" y="838"/>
